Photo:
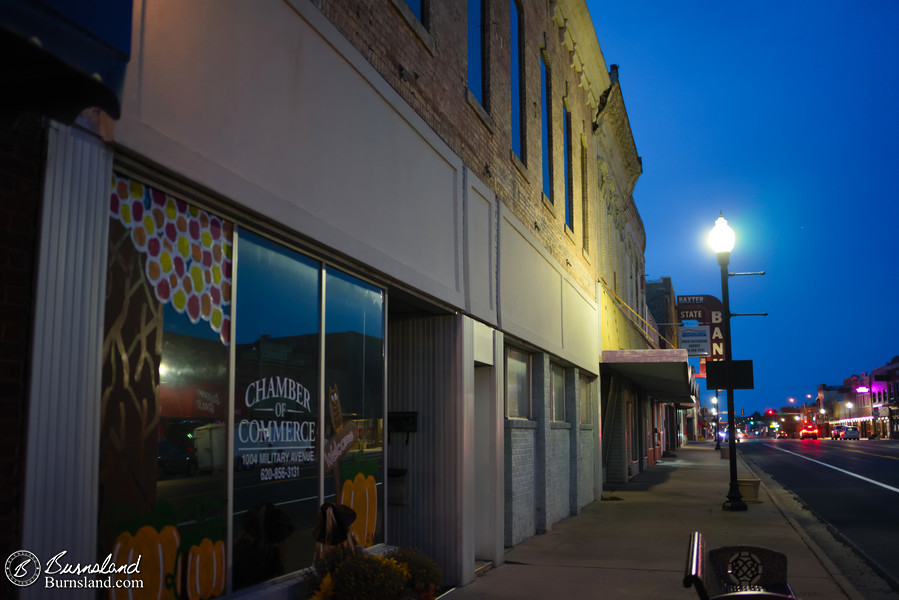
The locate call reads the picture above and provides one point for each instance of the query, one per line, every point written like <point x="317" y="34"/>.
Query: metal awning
<point x="664" y="374"/>
<point x="62" y="56"/>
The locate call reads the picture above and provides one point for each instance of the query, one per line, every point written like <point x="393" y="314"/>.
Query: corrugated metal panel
<point x="426" y="375"/>
<point x="64" y="407"/>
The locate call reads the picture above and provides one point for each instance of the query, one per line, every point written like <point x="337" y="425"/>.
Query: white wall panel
<point x="266" y="104"/>
<point x="539" y="302"/>
<point x="530" y="287"/>
<point x="480" y="249"/>
<point x="64" y="409"/>
<point x="580" y="325"/>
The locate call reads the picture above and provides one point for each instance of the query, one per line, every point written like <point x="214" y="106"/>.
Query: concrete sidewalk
<point x="633" y="543"/>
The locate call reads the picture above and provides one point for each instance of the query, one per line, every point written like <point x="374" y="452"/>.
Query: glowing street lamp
<point x="722" y="239"/>
<point x="717" y="437"/>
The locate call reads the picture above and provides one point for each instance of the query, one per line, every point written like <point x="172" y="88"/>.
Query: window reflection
<point x="354" y="376"/>
<point x="275" y="410"/>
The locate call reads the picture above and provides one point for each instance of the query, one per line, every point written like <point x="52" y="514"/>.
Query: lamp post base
<point x="734" y="500"/>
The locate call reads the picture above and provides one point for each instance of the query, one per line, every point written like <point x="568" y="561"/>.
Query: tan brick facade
<point x="427" y="67"/>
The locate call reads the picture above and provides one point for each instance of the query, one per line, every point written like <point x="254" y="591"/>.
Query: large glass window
<point x="518" y="384"/>
<point x="354" y="416"/>
<point x="476" y="38"/>
<point x="585" y="207"/>
<point x="515" y="72"/>
<point x="558" y="392"/>
<point x="169" y="436"/>
<point x="276" y="407"/>
<point x="545" y="120"/>
<point x="569" y="188"/>
<point x="163" y="444"/>
<point x="587" y="387"/>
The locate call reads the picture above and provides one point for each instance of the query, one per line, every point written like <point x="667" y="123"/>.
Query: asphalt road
<point x="852" y="485"/>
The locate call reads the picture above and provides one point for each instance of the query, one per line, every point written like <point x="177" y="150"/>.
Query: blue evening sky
<point x="785" y="116"/>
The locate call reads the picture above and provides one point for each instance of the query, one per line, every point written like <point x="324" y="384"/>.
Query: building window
<point x="477" y="65"/>
<point x="546" y="119"/>
<point x="419" y="8"/>
<point x="558" y="392"/>
<point x="276" y="398"/>
<point x="585" y="202"/>
<point x="167" y="374"/>
<point x="517" y="91"/>
<point x="569" y="188"/>
<point x="587" y="387"/>
<point x="518" y="384"/>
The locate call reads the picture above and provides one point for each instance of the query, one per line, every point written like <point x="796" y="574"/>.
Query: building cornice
<point x="584" y="55"/>
<point x="615" y="114"/>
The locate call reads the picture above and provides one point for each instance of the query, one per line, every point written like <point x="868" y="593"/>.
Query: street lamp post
<point x="722" y="239"/>
<point x="717" y="437"/>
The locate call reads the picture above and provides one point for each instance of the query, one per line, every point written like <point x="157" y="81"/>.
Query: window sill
<point x="520" y="423"/>
<point x="415" y="25"/>
<point x="560" y="425"/>
<point x="479" y="110"/>
<point x="547" y="203"/>
<point x="522" y="169"/>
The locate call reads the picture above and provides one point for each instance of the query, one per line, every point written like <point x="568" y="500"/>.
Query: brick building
<point x="324" y="252"/>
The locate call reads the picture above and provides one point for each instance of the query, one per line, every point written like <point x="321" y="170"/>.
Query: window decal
<point x="187" y="250"/>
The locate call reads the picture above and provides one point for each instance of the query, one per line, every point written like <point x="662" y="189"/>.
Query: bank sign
<point x="708" y="311"/>
<point x="695" y="340"/>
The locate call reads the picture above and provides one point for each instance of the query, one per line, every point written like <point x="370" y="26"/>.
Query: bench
<point x="749" y="572"/>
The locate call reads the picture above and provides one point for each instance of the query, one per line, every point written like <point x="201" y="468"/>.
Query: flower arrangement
<point x="402" y="574"/>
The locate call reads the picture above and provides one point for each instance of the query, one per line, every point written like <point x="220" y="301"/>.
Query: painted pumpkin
<point x="361" y="494"/>
<point x="158" y="551"/>
<point x="206" y="570"/>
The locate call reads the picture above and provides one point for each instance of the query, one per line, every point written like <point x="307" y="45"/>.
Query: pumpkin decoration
<point x="206" y="570"/>
<point x="159" y="571"/>
<point x="361" y="494"/>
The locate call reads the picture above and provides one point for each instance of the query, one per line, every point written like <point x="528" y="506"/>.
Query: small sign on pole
<point x="738" y="378"/>
<point x="695" y="340"/>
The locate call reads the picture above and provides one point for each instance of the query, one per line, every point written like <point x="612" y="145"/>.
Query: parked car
<point x="174" y="460"/>
<point x="809" y="432"/>
<point x="836" y="432"/>
<point x="850" y="433"/>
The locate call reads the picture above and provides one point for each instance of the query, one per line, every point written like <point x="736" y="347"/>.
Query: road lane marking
<point x="850" y="473"/>
<point x="871" y="454"/>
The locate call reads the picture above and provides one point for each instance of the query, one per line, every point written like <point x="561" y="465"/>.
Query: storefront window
<point x="276" y="410"/>
<point x="518" y="384"/>
<point x="168" y="414"/>
<point x="163" y="468"/>
<point x="354" y="418"/>
<point x="587" y="389"/>
<point x="558" y="391"/>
